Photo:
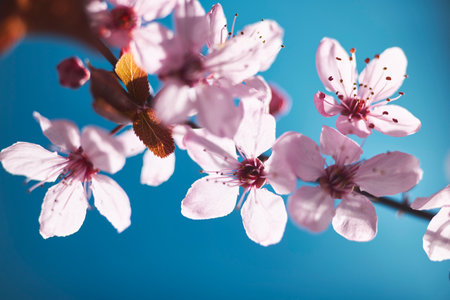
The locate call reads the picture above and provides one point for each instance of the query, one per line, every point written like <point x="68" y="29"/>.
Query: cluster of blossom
<point x="205" y="68"/>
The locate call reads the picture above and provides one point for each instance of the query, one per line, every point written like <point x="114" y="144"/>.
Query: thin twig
<point x="101" y="47"/>
<point x="403" y="207"/>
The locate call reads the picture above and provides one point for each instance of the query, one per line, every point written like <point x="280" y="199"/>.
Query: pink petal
<point x="173" y="103"/>
<point x="154" y="9"/>
<point x="253" y="87"/>
<point x="156" y="170"/>
<point x="359" y="127"/>
<point x="191" y="25"/>
<point x="246" y="54"/>
<point x="63" y="134"/>
<point x="151" y="47"/>
<point x="356" y="218"/>
<point x="209" y="151"/>
<point x="131" y="145"/>
<point x="436" y="241"/>
<point x="279" y="174"/>
<point x="333" y="65"/>
<point x="111" y="201"/>
<point x="102" y="149"/>
<point x="218" y="32"/>
<point x="32" y="161"/>
<point x="388" y="174"/>
<point x="311" y="208"/>
<point x="326" y="105"/>
<point x="384" y="82"/>
<point x="63" y="210"/>
<point x="178" y="133"/>
<point x="437" y="200"/>
<point x="394" y="120"/>
<point x="264" y="217"/>
<point x="343" y="149"/>
<point x="217" y="112"/>
<point x="256" y="133"/>
<point x="208" y="198"/>
<point x="300" y="153"/>
<point x="280" y="102"/>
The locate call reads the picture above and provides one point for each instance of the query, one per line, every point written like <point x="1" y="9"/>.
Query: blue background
<point x="163" y="254"/>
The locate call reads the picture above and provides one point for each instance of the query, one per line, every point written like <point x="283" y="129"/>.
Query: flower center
<point x="338" y="180"/>
<point x="251" y="173"/>
<point x="79" y="166"/>
<point x="124" y="18"/>
<point x="355" y="108"/>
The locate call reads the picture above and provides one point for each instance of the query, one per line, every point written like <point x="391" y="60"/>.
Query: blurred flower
<point x="436" y="241"/>
<point x="72" y="73"/>
<point x="207" y="85"/>
<point x="64" y="207"/>
<point x="312" y="207"/>
<point x="363" y="109"/>
<point x="263" y="213"/>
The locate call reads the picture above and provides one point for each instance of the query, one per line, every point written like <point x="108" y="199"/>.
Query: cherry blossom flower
<point x="436" y="241"/>
<point x="77" y="169"/>
<point x="363" y="106"/>
<point x="207" y="85"/>
<point x="72" y="73"/>
<point x="128" y="25"/>
<point x="312" y="207"/>
<point x="263" y="213"/>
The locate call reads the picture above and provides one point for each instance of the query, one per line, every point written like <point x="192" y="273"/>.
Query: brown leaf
<point x="156" y="136"/>
<point x="134" y="78"/>
<point x="111" y="101"/>
<point x="61" y="17"/>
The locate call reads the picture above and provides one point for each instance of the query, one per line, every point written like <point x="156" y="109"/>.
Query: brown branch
<point x="402" y="207"/>
<point x="101" y="47"/>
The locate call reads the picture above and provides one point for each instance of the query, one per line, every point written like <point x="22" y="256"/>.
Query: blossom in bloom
<point x="354" y="218"/>
<point x="128" y="25"/>
<point x="363" y="106"/>
<point x="263" y="213"/>
<point x="436" y="241"/>
<point x="207" y="85"/>
<point x="72" y="73"/>
<point x="65" y="203"/>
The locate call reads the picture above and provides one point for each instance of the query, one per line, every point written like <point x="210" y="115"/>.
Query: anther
<point x="385" y="113"/>
<point x="371" y="125"/>
<point x="377" y="56"/>
<point x="338" y="58"/>
<point x="401" y="93"/>
<point x="395" y="120"/>
<point x="353" y="50"/>
<point x="330" y="78"/>
<point x="388" y="78"/>
<point x="385" y="68"/>
<point x="367" y="60"/>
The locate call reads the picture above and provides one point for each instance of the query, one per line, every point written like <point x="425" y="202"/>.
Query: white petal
<point x="355" y="218"/>
<point x="383" y="82"/>
<point x="191" y="24"/>
<point x="32" y="161"/>
<point x="131" y="144"/>
<point x="437" y="200"/>
<point x="264" y="217"/>
<point x="111" y="201"/>
<point x="63" y="210"/>
<point x="102" y="149"/>
<point x="61" y="133"/>
<point x="256" y="133"/>
<point x="436" y="241"/>
<point x="279" y="174"/>
<point x="343" y="149"/>
<point x="156" y="170"/>
<point x="154" y="9"/>
<point x="209" y="198"/>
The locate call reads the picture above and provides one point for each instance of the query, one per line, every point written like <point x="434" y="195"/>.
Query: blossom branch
<point x="403" y="207"/>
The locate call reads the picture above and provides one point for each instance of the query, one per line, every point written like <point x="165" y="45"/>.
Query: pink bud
<point x="72" y="73"/>
<point x="280" y="102"/>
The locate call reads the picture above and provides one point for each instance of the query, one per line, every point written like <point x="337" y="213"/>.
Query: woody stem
<point x="400" y="206"/>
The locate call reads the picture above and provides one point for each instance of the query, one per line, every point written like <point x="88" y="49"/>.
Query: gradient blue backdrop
<point x="163" y="254"/>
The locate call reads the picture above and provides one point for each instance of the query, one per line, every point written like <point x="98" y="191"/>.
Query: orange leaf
<point x="111" y="101"/>
<point x="156" y="136"/>
<point x="134" y="78"/>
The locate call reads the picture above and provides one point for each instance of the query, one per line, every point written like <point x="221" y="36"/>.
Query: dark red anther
<point x="367" y="60"/>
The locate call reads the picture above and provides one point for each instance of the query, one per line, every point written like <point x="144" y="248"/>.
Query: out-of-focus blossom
<point x="207" y="85"/>
<point x="263" y="213"/>
<point x="77" y="167"/>
<point x="280" y="102"/>
<point x="72" y="73"/>
<point x="436" y="241"/>
<point x="354" y="218"/>
<point x="363" y="106"/>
